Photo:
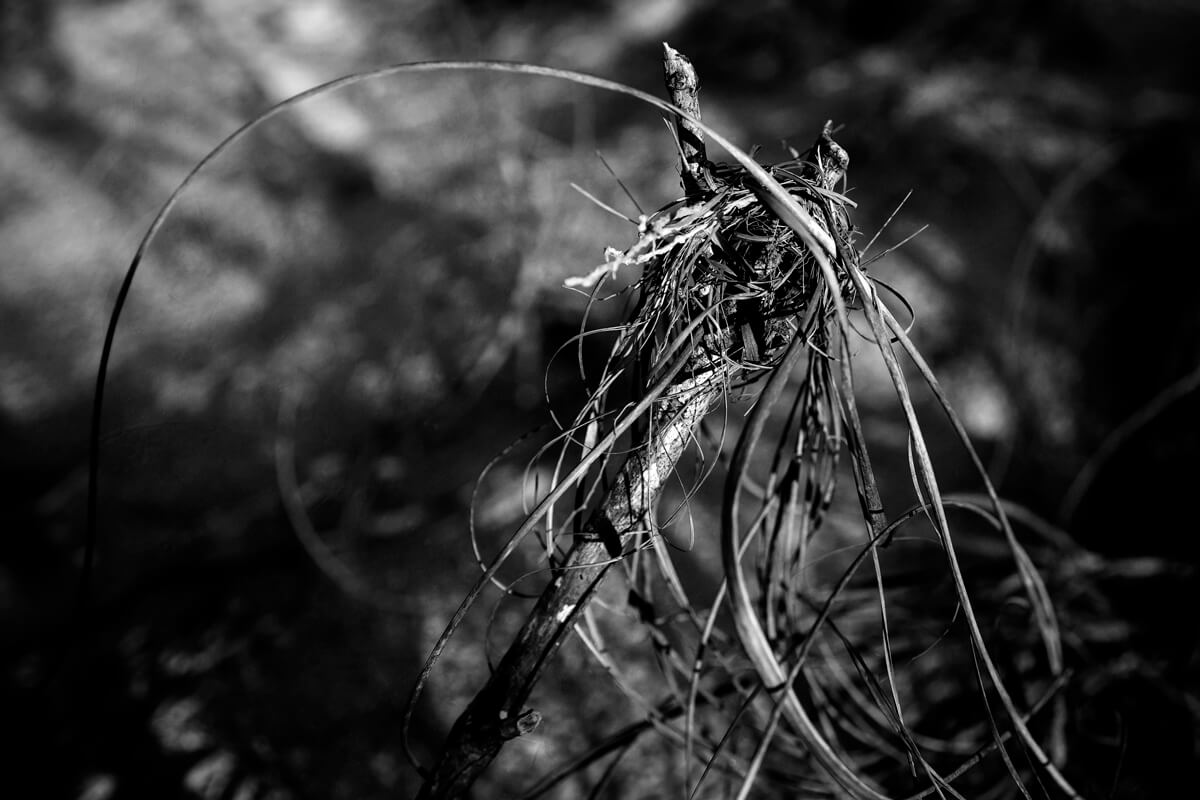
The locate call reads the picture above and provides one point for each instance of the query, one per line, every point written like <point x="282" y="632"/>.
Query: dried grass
<point x="782" y="678"/>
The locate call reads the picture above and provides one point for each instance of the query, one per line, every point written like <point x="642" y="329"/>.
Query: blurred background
<point x="359" y="305"/>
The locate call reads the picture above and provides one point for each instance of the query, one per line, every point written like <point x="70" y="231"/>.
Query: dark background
<point x="392" y="255"/>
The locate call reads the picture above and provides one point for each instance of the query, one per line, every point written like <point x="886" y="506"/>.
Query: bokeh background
<point x="371" y="286"/>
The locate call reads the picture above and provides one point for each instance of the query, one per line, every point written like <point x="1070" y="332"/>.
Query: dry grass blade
<point x="340" y="573"/>
<point x="1119" y="435"/>
<point x="877" y="314"/>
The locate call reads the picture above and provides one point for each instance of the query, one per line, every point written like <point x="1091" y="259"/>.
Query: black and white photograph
<point x="622" y="399"/>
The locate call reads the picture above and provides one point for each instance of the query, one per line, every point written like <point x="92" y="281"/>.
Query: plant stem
<point x="496" y="714"/>
<point x="684" y="88"/>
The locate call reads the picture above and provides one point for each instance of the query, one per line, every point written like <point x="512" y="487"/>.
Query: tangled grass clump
<point x="737" y="273"/>
<point x="780" y="676"/>
<point x="699" y="253"/>
<point x="738" y="289"/>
